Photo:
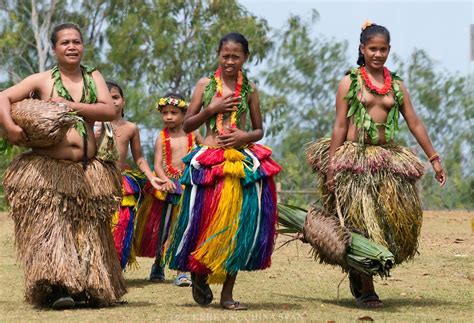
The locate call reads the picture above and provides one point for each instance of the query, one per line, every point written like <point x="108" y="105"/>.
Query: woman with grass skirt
<point x="61" y="197"/>
<point x="363" y="175"/>
<point x="228" y="215"/>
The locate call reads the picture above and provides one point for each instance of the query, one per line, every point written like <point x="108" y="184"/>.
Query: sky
<point x="442" y="28"/>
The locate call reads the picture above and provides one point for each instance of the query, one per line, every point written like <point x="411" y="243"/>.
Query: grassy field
<point x="436" y="286"/>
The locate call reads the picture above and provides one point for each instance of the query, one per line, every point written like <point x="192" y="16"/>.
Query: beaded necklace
<point x="372" y="88"/>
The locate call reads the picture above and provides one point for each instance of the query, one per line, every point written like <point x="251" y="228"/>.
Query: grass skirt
<point x="228" y="214"/>
<point x="375" y="191"/>
<point x="62" y="215"/>
<point x="123" y="221"/>
<point x="156" y="218"/>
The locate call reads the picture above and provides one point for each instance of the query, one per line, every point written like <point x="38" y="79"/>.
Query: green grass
<point x="436" y="286"/>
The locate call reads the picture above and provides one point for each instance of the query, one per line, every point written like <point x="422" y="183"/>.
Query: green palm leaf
<point x="363" y="254"/>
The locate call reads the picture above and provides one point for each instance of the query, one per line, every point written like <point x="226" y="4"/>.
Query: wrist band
<point x="434" y="157"/>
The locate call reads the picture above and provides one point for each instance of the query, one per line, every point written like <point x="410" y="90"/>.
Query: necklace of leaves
<point x="361" y="117"/>
<point x="243" y="88"/>
<point x="89" y="94"/>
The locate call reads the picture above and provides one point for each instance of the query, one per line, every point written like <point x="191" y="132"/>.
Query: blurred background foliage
<point x="152" y="47"/>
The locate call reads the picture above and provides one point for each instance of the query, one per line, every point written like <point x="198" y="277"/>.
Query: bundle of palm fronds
<point x="44" y="123"/>
<point x="333" y="243"/>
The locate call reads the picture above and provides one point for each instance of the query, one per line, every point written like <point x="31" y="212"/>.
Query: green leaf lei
<point x="363" y="120"/>
<point x="211" y="89"/>
<point x="89" y="91"/>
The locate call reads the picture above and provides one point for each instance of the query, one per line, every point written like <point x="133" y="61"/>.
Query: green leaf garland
<point x="89" y="92"/>
<point x="211" y="89"/>
<point x="363" y="120"/>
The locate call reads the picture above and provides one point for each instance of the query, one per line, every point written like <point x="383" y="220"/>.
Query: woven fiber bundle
<point x="45" y="123"/>
<point x="328" y="238"/>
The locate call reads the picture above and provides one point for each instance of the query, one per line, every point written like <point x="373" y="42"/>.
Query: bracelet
<point x="434" y="157"/>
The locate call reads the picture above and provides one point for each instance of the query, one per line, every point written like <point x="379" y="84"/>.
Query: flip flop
<point x="202" y="293"/>
<point x="63" y="303"/>
<point x="369" y="300"/>
<point x="233" y="306"/>
<point x="182" y="280"/>
<point x="157" y="273"/>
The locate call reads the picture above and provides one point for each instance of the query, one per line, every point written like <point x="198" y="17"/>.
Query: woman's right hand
<point x="224" y="104"/>
<point x="330" y="181"/>
<point x="16" y="135"/>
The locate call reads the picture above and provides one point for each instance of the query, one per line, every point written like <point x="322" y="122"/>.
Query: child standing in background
<point x="158" y="212"/>
<point x="123" y="222"/>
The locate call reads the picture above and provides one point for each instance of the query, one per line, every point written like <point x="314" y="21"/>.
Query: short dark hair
<point x="174" y="95"/>
<point x="58" y="28"/>
<point x="111" y="84"/>
<point x="236" y="38"/>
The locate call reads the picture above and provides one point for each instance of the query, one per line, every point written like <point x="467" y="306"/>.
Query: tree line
<point x="153" y="47"/>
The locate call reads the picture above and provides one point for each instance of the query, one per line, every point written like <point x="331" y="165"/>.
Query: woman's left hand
<point x="440" y="173"/>
<point x="234" y="137"/>
<point x="59" y="99"/>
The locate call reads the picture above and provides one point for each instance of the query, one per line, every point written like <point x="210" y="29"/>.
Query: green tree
<point x="27" y="26"/>
<point x="167" y="45"/>
<point x="298" y="100"/>
<point x="445" y="103"/>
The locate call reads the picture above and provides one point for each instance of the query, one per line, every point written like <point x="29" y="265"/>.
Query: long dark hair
<point x="368" y="33"/>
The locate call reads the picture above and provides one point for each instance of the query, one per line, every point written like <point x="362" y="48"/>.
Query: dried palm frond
<point x="328" y="238"/>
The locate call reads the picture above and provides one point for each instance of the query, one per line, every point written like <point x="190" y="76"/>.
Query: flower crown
<point x="162" y="102"/>
<point x="367" y="23"/>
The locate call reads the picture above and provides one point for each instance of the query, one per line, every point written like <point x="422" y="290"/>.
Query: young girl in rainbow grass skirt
<point x="228" y="217"/>
<point x="158" y="211"/>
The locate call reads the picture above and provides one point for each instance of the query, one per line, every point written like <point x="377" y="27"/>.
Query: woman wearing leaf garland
<point x="61" y="198"/>
<point x="228" y="217"/>
<point x="363" y="174"/>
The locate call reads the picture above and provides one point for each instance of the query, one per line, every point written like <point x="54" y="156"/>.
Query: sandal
<point x="233" y="306"/>
<point x="63" y="303"/>
<point x="182" y="280"/>
<point x="157" y="273"/>
<point x="202" y="293"/>
<point x="369" y="300"/>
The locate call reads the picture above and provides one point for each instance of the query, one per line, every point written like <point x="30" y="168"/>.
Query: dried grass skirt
<point x="62" y="215"/>
<point x="376" y="192"/>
